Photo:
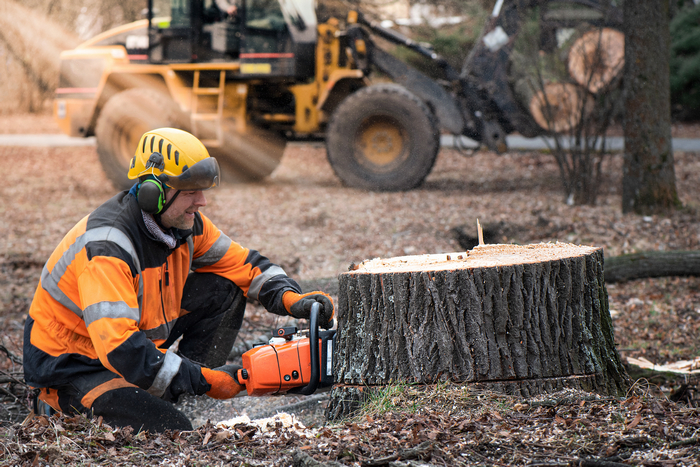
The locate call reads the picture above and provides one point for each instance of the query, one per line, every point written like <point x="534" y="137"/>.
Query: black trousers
<point x="215" y="307"/>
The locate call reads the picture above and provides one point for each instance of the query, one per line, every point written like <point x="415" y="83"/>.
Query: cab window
<point x="264" y="14"/>
<point x="180" y="13"/>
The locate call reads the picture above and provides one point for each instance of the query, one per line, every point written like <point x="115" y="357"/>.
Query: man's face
<point x="180" y="214"/>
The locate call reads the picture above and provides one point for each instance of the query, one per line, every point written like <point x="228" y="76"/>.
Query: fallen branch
<point x="597" y="463"/>
<point x="652" y="264"/>
<point x="549" y="464"/>
<point x="301" y="459"/>
<point x="10" y="355"/>
<point x="15" y="378"/>
<point x="5" y="391"/>
<point x="685" y="442"/>
<point x="404" y="454"/>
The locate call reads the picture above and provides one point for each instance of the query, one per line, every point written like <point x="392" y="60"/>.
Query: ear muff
<point x="151" y="196"/>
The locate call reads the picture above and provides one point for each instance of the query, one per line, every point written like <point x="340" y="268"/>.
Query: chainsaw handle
<point x="313" y="349"/>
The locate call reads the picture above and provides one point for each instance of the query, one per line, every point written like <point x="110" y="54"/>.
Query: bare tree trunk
<point x="34" y="41"/>
<point x="648" y="180"/>
<point x="517" y="319"/>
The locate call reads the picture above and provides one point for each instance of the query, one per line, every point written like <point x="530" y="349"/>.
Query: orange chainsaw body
<point x="281" y="368"/>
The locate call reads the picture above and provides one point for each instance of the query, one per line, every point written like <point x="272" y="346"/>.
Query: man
<point x="229" y="7"/>
<point x="139" y="272"/>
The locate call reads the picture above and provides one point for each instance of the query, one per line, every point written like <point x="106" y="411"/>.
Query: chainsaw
<point x="293" y="362"/>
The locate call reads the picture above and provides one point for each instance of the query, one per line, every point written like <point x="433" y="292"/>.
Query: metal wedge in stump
<point x="516" y="319"/>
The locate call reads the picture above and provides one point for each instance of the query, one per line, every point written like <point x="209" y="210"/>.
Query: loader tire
<point x="382" y="138"/>
<point x="123" y="120"/>
<point x="248" y="156"/>
<point x="245" y="157"/>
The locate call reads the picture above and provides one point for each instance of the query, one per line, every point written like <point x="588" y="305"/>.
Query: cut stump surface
<point x="559" y="107"/>
<point x="519" y="319"/>
<point x="597" y="57"/>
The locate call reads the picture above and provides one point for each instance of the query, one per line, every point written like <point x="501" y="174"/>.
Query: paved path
<point x="44" y="140"/>
<point x="615" y="143"/>
<point x="514" y="142"/>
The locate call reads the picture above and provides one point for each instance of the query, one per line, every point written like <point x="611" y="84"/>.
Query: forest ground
<point x="303" y="218"/>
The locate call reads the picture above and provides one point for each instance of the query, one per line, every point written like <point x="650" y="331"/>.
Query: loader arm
<point x="450" y="74"/>
<point x="441" y="102"/>
<point x="459" y="110"/>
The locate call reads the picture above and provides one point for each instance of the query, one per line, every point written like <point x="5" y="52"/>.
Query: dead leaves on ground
<point x="568" y="428"/>
<point x="657" y="319"/>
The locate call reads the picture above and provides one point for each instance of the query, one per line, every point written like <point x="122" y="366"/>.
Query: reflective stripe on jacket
<point x="110" y="293"/>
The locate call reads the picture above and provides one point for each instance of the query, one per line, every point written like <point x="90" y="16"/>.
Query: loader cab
<point x="175" y="40"/>
<point x="278" y="38"/>
<point x="270" y="38"/>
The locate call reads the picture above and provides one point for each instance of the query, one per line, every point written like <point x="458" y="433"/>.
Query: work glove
<point x="223" y="380"/>
<point x="299" y="306"/>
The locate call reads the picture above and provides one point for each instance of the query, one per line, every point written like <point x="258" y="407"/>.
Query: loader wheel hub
<point x="381" y="141"/>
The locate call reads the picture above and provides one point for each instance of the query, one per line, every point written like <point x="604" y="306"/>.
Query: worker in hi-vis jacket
<point x="135" y="275"/>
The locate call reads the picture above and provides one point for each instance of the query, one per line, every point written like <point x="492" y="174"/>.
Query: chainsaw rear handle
<point x="314" y="350"/>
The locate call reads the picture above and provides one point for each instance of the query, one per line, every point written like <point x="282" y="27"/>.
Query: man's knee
<point x="215" y="307"/>
<point x="210" y="292"/>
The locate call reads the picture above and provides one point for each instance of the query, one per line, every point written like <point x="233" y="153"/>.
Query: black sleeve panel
<point x="138" y="361"/>
<point x="189" y="380"/>
<point x="256" y="260"/>
<point x="271" y="293"/>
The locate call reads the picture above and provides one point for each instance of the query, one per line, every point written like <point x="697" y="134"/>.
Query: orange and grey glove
<point x="223" y="380"/>
<point x="299" y="306"/>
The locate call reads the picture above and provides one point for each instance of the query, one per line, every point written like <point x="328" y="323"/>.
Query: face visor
<point x="203" y="175"/>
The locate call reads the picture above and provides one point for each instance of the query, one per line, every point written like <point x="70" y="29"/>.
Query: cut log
<point x="517" y="319"/>
<point x="596" y="58"/>
<point x="652" y="264"/>
<point x="559" y="106"/>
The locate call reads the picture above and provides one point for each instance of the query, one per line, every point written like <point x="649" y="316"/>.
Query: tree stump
<point x="517" y="319"/>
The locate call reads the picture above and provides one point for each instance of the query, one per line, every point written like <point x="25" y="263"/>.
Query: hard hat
<point x="177" y="158"/>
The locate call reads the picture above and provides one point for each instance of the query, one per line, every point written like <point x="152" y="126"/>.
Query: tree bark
<point x="518" y="319"/>
<point x="648" y="180"/>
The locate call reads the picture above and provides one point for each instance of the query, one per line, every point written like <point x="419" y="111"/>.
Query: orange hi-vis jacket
<point x="110" y="294"/>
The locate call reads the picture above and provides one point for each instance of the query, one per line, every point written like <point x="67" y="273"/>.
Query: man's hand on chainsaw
<point x="299" y="306"/>
<point x="224" y="381"/>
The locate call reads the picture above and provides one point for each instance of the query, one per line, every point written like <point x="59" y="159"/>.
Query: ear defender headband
<point x="151" y="196"/>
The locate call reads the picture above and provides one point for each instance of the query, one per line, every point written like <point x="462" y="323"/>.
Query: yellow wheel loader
<point x="247" y="83"/>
